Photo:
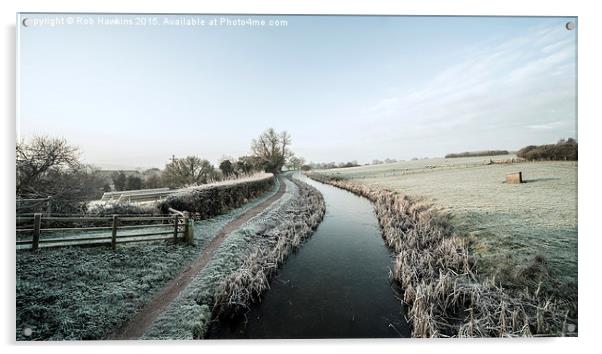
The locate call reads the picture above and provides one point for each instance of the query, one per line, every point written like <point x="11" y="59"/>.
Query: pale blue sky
<point x="346" y="88"/>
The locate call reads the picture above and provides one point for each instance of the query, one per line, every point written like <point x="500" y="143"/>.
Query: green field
<point x="507" y="224"/>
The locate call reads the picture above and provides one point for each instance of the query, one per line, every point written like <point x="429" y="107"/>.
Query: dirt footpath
<point x="144" y="318"/>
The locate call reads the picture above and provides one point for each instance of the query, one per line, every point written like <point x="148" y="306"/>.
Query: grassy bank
<point x="246" y="285"/>
<point x="86" y="293"/>
<point x="241" y="268"/>
<point x="442" y="286"/>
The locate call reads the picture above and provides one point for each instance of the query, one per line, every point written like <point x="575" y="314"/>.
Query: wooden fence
<point x="113" y="230"/>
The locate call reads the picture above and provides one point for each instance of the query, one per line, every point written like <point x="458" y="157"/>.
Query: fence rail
<point x="177" y="226"/>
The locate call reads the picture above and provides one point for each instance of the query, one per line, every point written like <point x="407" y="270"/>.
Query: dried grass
<point x="243" y="287"/>
<point x="444" y="294"/>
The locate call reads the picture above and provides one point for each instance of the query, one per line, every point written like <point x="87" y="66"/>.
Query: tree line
<point x="48" y="166"/>
<point x="181" y="172"/>
<point x="562" y="150"/>
<point x="477" y="153"/>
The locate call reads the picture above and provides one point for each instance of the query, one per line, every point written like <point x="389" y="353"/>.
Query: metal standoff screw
<point x="570" y="25"/>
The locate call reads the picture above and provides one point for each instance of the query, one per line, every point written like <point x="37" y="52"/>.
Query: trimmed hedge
<point x="208" y="201"/>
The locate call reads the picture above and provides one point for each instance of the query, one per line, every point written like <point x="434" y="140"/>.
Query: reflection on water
<point x="336" y="286"/>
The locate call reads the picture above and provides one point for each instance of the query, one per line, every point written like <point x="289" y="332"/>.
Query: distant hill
<point x="477" y="153"/>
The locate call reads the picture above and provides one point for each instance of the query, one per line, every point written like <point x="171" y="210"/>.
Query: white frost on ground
<point x="85" y="293"/>
<point x="510" y="223"/>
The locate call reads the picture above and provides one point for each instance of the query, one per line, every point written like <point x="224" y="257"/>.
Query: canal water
<point x="335" y="286"/>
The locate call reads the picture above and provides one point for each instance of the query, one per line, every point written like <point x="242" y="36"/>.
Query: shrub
<point x="563" y="150"/>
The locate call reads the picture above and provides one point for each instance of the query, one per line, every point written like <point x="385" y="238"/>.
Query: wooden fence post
<point x="175" y="227"/>
<point x="37" y="223"/>
<point x="188" y="229"/>
<point x="49" y="206"/>
<point x="114" y="234"/>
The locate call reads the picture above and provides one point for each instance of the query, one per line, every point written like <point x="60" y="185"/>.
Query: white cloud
<point x="547" y="126"/>
<point x="497" y="85"/>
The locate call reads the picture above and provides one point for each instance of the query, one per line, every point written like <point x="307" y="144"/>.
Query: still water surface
<point x="336" y="286"/>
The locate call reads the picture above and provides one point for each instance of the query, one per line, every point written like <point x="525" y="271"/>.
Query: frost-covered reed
<point x="240" y="289"/>
<point x="444" y="294"/>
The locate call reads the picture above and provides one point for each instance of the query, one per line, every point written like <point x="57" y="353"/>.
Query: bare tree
<point x="152" y="178"/>
<point x="133" y="182"/>
<point x="188" y="171"/>
<point x="49" y="167"/>
<point x="227" y="168"/>
<point x="248" y="164"/>
<point x="295" y="163"/>
<point x="272" y="149"/>
<point x="285" y="141"/>
<point x="119" y="180"/>
<point x="43" y="155"/>
<point x="71" y="189"/>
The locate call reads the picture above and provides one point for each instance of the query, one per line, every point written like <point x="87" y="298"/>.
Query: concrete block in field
<point x="514" y="178"/>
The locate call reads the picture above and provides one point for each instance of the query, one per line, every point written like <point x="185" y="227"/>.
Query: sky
<point x="131" y="91"/>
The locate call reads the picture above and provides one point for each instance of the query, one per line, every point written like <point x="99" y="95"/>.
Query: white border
<point x="590" y="93"/>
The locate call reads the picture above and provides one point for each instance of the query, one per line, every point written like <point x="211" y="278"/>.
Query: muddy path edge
<point x="135" y="327"/>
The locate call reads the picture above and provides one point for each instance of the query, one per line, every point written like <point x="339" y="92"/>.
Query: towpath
<point x="137" y="325"/>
